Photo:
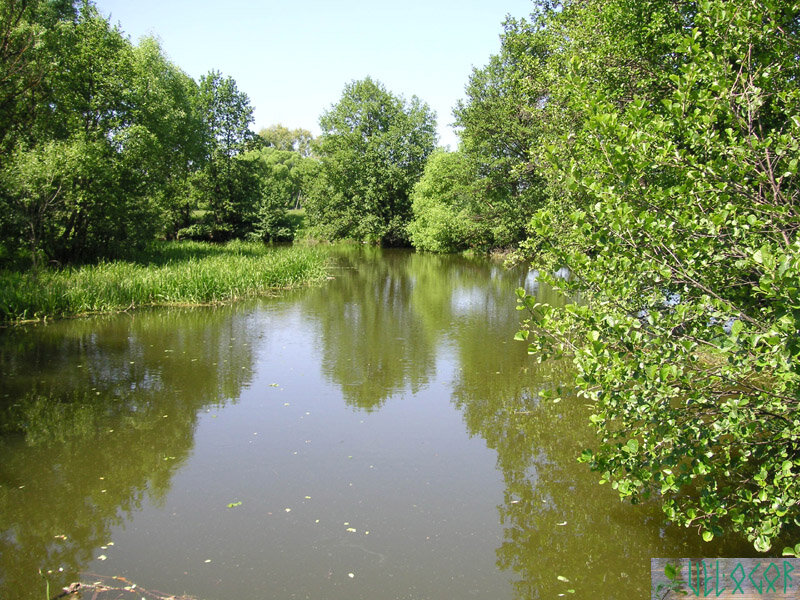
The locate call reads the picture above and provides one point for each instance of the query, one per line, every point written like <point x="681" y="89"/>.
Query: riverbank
<point x="168" y="273"/>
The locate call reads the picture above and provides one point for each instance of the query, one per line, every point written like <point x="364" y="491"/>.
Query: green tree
<point x="441" y="203"/>
<point x="501" y="122"/>
<point x="27" y="28"/>
<point x="174" y="147"/>
<point x="104" y="141"/>
<point x="87" y="112"/>
<point x="227" y="188"/>
<point x="281" y="183"/>
<point x="373" y="150"/>
<point x="283" y="138"/>
<point x="683" y="245"/>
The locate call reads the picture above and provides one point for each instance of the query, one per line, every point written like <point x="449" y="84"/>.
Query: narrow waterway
<point x="376" y="437"/>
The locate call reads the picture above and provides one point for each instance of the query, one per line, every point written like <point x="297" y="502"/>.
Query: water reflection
<point x="382" y="320"/>
<point x="398" y="311"/>
<point x="96" y="417"/>
<point x="99" y="416"/>
<point x="373" y="341"/>
<point x="561" y="530"/>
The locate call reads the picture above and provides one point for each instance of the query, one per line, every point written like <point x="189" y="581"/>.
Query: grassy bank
<point x="168" y="273"/>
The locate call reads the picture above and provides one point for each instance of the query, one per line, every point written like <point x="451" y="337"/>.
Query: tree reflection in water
<point x="96" y="416"/>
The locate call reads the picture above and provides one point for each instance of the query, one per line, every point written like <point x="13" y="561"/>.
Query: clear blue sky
<point x="294" y="57"/>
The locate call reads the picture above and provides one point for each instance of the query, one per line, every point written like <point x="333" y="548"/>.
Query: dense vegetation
<point x="164" y="274"/>
<point x="373" y="147"/>
<point x="667" y="136"/>
<point x="106" y="145"/>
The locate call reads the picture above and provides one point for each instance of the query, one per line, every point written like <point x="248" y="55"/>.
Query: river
<point x="379" y="436"/>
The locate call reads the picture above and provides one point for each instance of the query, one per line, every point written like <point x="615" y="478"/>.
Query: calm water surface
<point x="376" y="437"/>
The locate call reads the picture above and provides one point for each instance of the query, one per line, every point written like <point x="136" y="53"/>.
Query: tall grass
<point x="168" y="273"/>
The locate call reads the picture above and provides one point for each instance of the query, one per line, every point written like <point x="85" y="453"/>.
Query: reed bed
<point x="177" y="273"/>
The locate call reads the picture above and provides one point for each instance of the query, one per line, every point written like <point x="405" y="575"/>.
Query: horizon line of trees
<point x="106" y="145"/>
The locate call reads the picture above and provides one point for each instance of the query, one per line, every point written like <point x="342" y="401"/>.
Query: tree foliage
<point x="282" y="138"/>
<point x="283" y="179"/>
<point x="441" y="203"/>
<point x="98" y="138"/>
<point x="499" y="125"/>
<point x="78" y="181"/>
<point x="679" y="224"/>
<point x="105" y="145"/>
<point x="226" y="189"/>
<point x="373" y="150"/>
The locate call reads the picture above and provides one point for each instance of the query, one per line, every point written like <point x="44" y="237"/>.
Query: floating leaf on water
<point x="366" y="533"/>
<point x="561" y="524"/>
<point x="351" y="575"/>
<point x="102" y="557"/>
<point x="208" y="560"/>
<point x="234" y="504"/>
<point x="288" y="509"/>
<point x="562" y="578"/>
<point x="308" y="497"/>
<point x="351" y="529"/>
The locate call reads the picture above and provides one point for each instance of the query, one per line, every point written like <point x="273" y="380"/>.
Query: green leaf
<point x="736" y="327"/>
